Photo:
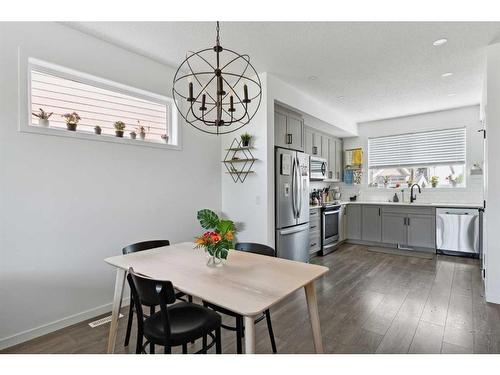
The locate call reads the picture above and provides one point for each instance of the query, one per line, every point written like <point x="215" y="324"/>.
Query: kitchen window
<point x="433" y="158"/>
<point x="99" y="103"/>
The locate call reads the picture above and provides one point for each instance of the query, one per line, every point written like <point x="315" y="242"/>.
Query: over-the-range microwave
<point x="318" y="168"/>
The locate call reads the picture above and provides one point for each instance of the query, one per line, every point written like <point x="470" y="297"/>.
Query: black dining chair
<point x="175" y="324"/>
<point x="255" y="248"/>
<point x="134" y="248"/>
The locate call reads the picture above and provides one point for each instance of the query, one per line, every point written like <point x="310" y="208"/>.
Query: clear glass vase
<point x="214" y="261"/>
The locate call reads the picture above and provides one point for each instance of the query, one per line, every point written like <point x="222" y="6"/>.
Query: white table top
<point x="247" y="284"/>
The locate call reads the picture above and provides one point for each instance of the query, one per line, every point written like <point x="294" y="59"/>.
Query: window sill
<point x="423" y="188"/>
<point x="34" y="129"/>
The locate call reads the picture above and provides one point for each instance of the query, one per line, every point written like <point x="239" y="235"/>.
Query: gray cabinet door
<point x="280" y="134"/>
<point x="421" y="231"/>
<point x="338" y="175"/>
<point x="353" y="222"/>
<point x="394" y="229"/>
<point x="295" y="130"/>
<point x="325" y="147"/>
<point x="309" y="141"/>
<point x="331" y="158"/>
<point x="342" y="223"/>
<point x="371" y="223"/>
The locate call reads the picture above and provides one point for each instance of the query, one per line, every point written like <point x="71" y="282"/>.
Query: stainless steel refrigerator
<point x="292" y="204"/>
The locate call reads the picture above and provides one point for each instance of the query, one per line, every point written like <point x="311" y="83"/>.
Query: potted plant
<point x="455" y="180"/>
<point x="218" y="238"/>
<point x="245" y="139"/>
<point x="142" y="130"/>
<point x="164" y="137"/>
<point x="133" y="134"/>
<point x="434" y="181"/>
<point x="409" y="182"/>
<point x="97" y="129"/>
<point x="386" y="181"/>
<point x="43" y="117"/>
<point x="71" y="120"/>
<point x="119" y="128"/>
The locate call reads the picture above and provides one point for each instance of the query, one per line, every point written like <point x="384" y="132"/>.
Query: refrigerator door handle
<point x="299" y="192"/>
<point x="296" y="229"/>
<point x="294" y="187"/>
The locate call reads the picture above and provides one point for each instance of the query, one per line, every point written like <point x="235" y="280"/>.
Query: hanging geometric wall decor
<point x="239" y="161"/>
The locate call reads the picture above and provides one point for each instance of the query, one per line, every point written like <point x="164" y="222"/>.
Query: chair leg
<point x="151" y="345"/>
<point x="184" y="348"/>
<point x="167" y="349"/>
<point x="270" y="329"/>
<point x="129" y="322"/>
<point x="138" y="348"/>
<point x="218" y="345"/>
<point x="190" y="299"/>
<point x="239" y="334"/>
<point x="204" y="349"/>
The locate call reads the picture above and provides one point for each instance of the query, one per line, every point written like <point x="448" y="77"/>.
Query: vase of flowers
<point x="141" y="130"/>
<point x="455" y="180"/>
<point x="218" y="238"/>
<point x="97" y="129"/>
<point x="43" y="117"/>
<point x="71" y="120"/>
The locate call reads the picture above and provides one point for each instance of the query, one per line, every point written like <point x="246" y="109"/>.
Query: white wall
<point x="66" y="204"/>
<point x="253" y="201"/>
<point x="453" y="118"/>
<point x="492" y="180"/>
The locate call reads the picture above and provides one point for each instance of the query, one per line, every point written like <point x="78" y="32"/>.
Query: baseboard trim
<point x="33" y="333"/>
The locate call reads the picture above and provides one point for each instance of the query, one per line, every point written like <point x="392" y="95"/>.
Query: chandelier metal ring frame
<point x="232" y="110"/>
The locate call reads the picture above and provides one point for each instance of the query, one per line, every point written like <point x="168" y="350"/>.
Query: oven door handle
<point x="331" y="212"/>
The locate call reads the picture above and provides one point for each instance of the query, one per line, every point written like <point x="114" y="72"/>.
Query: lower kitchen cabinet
<point x="342" y="223"/>
<point x="371" y="223"/>
<point x="421" y="231"/>
<point x="394" y="228"/>
<point x="353" y="230"/>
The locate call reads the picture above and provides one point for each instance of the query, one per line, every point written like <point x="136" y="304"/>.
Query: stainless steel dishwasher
<point x="458" y="231"/>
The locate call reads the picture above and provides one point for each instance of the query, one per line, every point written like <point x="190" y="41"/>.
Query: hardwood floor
<point x="368" y="303"/>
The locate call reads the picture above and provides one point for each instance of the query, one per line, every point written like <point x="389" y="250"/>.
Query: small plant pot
<point x="245" y="143"/>
<point x="433" y="185"/>
<point x="43" y="122"/>
<point x="119" y="133"/>
<point x="133" y="135"/>
<point x="165" y="139"/>
<point x="97" y="131"/>
<point x="142" y="136"/>
<point x="71" y="127"/>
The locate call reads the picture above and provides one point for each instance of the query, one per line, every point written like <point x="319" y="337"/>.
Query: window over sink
<point x="430" y="159"/>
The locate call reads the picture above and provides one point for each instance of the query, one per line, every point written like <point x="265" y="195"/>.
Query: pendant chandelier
<point x="217" y="90"/>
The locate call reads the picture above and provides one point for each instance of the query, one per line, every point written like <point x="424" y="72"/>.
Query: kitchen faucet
<point x="413" y="198"/>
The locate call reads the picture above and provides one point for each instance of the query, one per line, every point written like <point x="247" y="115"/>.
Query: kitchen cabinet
<point x="314" y="230"/>
<point x="394" y="228"/>
<point x="421" y="231"/>
<point x="342" y="223"/>
<point x="308" y="141"/>
<point x="338" y="172"/>
<point x="325" y="146"/>
<point x="371" y="223"/>
<point x="288" y="130"/>
<point x="353" y="230"/>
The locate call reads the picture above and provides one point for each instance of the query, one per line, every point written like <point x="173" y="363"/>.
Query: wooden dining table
<point x="246" y="284"/>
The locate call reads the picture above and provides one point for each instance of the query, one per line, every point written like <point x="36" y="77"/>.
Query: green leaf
<point x="225" y="226"/>
<point x="208" y="219"/>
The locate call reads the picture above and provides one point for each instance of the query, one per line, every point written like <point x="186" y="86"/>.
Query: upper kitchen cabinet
<point x="334" y="159"/>
<point x="288" y="129"/>
<point x="316" y="144"/>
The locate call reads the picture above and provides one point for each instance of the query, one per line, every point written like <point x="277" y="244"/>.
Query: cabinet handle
<point x="313" y="244"/>
<point x="408" y="221"/>
<point x="315" y="150"/>
<point x="379" y="211"/>
<point x="330" y="174"/>
<point x="314" y="226"/>
<point x="404" y="221"/>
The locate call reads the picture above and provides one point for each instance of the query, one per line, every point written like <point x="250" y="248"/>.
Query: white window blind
<point x="97" y="105"/>
<point x="425" y="148"/>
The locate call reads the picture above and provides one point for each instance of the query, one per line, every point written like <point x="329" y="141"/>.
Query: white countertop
<point x="416" y="204"/>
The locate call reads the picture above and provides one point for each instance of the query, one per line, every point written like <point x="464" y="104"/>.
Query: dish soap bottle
<point x="395" y="198"/>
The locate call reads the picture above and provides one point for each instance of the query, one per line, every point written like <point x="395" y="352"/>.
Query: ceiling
<point x="365" y="70"/>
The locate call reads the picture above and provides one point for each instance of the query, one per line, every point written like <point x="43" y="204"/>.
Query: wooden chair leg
<point x="204" y="349"/>
<point x="218" y="345"/>
<point x="239" y="334"/>
<point x="184" y="348"/>
<point x="129" y="322"/>
<point x="270" y="329"/>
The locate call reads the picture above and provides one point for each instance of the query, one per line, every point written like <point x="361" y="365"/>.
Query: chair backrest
<point x="150" y="292"/>
<point x="145" y="245"/>
<point x="255" y="248"/>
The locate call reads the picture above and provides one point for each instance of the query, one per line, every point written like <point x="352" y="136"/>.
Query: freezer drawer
<point x="457" y="230"/>
<point x="293" y="243"/>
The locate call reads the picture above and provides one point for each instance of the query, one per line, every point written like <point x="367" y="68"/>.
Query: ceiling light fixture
<point x="222" y="89"/>
<point x="445" y="75"/>
<point x="439" y="42"/>
<point x="312" y="78"/>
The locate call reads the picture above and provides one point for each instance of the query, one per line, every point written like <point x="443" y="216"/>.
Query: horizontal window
<point x="80" y="103"/>
<point x="430" y="159"/>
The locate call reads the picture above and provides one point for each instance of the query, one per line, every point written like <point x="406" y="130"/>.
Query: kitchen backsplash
<point x="473" y="193"/>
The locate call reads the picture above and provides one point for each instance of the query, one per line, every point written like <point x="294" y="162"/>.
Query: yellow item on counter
<point x="357" y="157"/>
